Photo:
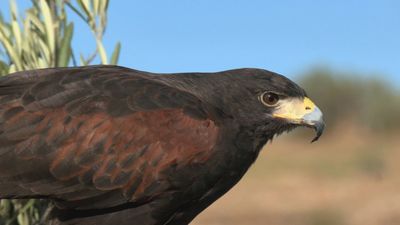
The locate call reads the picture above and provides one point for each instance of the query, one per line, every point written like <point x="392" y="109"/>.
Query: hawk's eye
<point x="269" y="98"/>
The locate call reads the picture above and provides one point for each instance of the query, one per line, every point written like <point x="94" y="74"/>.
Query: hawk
<point x="112" y="145"/>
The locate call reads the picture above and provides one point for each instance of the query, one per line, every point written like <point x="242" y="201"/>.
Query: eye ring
<point x="269" y="98"/>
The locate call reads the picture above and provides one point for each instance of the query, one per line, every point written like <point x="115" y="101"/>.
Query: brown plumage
<point x="110" y="145"/>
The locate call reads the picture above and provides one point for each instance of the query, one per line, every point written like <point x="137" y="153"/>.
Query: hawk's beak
<point x="314" y="119"/>
<point x="303" y="112"/>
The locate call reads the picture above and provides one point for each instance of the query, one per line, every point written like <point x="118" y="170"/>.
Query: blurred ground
<point x="347" y="178"/>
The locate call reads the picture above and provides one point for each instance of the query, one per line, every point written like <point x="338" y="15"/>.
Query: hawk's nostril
<point x="308" y="108"/>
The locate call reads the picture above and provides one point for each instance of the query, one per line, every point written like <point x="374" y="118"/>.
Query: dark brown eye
<point x="270" y="98"/>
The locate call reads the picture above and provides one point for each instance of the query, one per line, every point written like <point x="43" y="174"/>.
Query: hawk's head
<point x="268" y="102"/>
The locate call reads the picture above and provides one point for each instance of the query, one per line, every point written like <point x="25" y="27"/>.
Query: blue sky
<point x="288" y="37"/>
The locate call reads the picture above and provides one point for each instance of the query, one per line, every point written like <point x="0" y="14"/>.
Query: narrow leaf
<point x="10" y="50"/>
<point x="3" y="70"/>
<point x="115" y="55"/>
<point x="85" y="5"/>
<point x="102" y="52"/>
<point x="65" y="48"/>
<point x="35" y="21"/>
<point x="96" y="6"/>
<point x="82" y="60"/>
<point x="48" y="21"/>
<point x="17" y="35"/>
<point x="14" y="10"/>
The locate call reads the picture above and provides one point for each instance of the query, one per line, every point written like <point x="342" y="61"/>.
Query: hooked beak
<point x="315" y="120"/>
<point x="302" y="112"/>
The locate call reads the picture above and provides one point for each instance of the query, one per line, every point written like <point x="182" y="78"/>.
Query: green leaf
<point x="14" y="10"/>
<point x="96" y="6"/>
<point x="102" y="52"/>
<point x="35" y="21"/>
<point x="85" y="5"/>
<point x="82" y="60"/>
<point x="45" y="53"/>
<point x="115" y="55"/>
<point x="48" y="21"/>
<point x="17" y="35"/>
<point x="65" y="48"/>
<point x="3" y="68"/>
<point x="10" y="50"/>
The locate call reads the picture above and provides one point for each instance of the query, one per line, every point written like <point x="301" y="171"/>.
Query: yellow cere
<point x="308" y="103"/>
<point x="294" y="108"/>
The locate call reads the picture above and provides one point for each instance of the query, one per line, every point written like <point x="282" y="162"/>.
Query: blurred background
<point x="346" y="54"/>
